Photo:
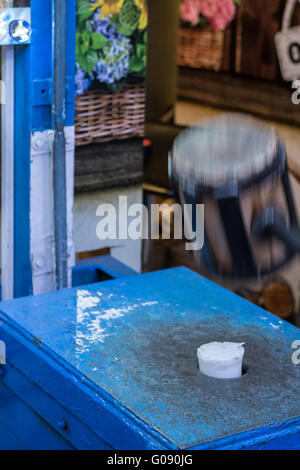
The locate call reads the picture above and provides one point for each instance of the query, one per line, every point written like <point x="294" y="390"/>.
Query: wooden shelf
<point x="264" y="98"/>
<point x="107" y="165"/>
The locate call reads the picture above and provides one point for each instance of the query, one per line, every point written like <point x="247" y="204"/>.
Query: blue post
<point x="23" y="105"/>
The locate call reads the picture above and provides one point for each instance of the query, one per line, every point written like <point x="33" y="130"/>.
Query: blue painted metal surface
<point x="121" y="357"/>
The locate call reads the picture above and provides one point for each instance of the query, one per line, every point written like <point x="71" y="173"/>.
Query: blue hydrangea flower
<point x="105" y="27"/>
<point x="113" y="58"/>
<point x="82" y="81"/>
<point x="113" y="64"/>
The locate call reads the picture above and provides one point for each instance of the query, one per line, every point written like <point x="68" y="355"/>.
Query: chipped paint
<point x="277" y="327"/>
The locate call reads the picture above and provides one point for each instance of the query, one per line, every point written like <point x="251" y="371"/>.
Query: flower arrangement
<point x="217" y="13"/>
<point x="111" y="43"/>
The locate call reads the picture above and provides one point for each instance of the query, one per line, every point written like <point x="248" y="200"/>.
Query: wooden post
<point x="162" y="57"/>
<point x="259" y="21"/>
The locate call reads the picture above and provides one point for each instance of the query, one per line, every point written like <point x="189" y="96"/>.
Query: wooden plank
<point x="266" y="99"/>
<point x="259" y="21"/>
<point x="108" y="165"/>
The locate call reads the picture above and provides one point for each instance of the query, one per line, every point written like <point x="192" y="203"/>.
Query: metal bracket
<point x="43" y="91"/>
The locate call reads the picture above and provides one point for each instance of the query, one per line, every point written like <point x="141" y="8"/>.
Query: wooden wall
<point x="252" y="49"/>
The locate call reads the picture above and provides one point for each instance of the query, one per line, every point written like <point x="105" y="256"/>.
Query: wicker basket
<point x="101" y="116"/>
<point x="201" y="48"/>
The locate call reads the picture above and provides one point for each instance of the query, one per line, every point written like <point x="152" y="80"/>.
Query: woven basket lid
<point x="231" y="147"/>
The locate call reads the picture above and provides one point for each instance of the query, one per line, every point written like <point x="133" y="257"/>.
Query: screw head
<point x="63" y="424"/>
<point x="20" y="31"/>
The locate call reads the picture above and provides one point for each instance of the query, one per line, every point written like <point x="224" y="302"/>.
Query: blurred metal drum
<point x="235" y="166"/>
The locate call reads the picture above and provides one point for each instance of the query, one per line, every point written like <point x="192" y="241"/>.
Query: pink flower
<point x="219" y="13"/>
<point x="190" y="11"/>
<point x="209" y="8"/>
<point x="225" y="12"/>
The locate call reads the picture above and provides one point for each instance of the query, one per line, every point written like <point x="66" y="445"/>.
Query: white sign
<point x="288" y="45"/>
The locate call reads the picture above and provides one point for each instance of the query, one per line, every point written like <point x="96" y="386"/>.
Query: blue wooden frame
<point x="104" y="268"/>
<point x="33" y="102"/>
<point x="22" y="265"/>
<point x="43" y="370"/>
<point x="120" y="429"/>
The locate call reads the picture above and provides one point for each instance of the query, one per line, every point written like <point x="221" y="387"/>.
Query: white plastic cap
<point x="221" y="360"/>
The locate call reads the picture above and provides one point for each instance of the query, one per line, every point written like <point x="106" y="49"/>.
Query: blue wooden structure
<point x="113" y="366"/>
<point x="34" y="80"/>
<point x="98" y="269"/>
<point x="103" y="268"/>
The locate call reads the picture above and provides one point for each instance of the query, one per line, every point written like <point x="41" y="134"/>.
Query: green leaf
<point x="137" y="64"/>
<point x="88" y="61"/>
<point x="98" y="41"/>
<point x="202" y="21"/>
<point x="88" y="27"/>
<point x="123" y="30"/>
<point x="114" y="20"/>
<point x="84" y="48"/>
<point x="84" y="10"/>
<point x="78" y="42"/>
<point x="85" y="38"/>
<point x="141" y="50"/>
